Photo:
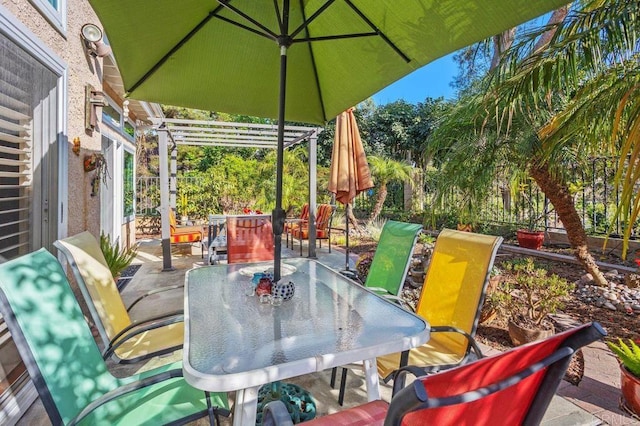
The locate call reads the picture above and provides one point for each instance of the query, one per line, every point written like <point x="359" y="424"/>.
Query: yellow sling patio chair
<point x="450" y="301"/>
<point x="125" y="339"/>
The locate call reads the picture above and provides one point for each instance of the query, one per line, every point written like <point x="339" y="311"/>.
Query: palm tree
<point x="587" y="77"/>
<point x="383" y="172"/>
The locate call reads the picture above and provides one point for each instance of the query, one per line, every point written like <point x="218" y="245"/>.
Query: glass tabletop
<point x="233" y="341"/>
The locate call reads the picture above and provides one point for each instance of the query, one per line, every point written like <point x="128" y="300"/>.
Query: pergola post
<point x="173" y="188"/>
<point x="163" y="153"/>
<point x="313" y="165"/>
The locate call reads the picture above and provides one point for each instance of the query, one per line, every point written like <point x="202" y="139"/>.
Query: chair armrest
<point x="152" y="292"/>
<point x="141" y="327"/>
<point x="449" y="329"/>
<point x="135" y="386"/>
<point x="415" y="396"/>
<point x="275" y="414"/>
<point x="398" y="380"/>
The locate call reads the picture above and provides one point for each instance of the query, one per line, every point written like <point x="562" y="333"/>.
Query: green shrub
<point x="117" y="259"/>
<point x="533" y="293"/>
<point x="629" y="355"/>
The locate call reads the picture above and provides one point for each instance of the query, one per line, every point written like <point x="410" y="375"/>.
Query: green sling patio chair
<point x="64" y="361"/>
<point x="392" y="258"/>
<point x="450" y="301"/>
<point x="124" y="338"/>
<point x="388" y="270"/>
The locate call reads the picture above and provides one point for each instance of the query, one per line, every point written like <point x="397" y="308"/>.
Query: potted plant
<point x="184" y="205"/>
<point x="531" y="237"/>
<point x="118" y="259"/>
<point x="629" y="357"/>
<point x="528" y="297"/>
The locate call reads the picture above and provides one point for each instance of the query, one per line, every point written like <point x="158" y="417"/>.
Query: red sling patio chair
<point x="510" y="388"/>
<point x="249" y="238"/>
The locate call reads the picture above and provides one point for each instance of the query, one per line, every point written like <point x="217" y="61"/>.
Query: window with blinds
<point x="15" y="152"/>
<point x="28" y="187"/>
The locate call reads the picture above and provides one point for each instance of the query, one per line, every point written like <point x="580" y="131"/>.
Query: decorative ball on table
<point x="284" y="290"/>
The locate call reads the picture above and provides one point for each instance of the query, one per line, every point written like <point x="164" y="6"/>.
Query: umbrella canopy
<point x="233" y="56"/>
<point x="349" y="174"/>
<point x="224" y="55"/>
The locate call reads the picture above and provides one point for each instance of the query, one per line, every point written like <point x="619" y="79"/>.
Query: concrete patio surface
<point x="595" y="401"/>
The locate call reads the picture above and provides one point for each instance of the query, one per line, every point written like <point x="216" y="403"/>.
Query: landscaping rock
<point x="585" y="279"/>
<point x="632" y="280"/>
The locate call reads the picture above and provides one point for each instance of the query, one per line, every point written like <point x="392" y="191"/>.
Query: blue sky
<point x="432" y="80"/>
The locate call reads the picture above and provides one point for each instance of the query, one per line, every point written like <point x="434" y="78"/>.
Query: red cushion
<point x="369" y="414"/>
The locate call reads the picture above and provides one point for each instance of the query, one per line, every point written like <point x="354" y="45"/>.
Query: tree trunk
<point x="501" y="42"/>
<point x="557" y="16"/>
<point x="377" y="208"/>
<point x="559" y="195"/>
<point x="355" y="226"/>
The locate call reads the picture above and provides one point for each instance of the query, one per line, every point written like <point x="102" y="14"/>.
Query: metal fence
<point x="595" y="197"/>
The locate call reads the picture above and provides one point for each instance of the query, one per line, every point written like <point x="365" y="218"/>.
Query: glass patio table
<point x="235" y="343"/>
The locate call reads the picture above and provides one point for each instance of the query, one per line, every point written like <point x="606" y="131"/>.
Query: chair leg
<point x="343" y="384"/>
<point x="334" y="370"/>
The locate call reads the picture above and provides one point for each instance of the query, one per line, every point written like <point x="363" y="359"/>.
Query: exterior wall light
<point x="92" y="38"/>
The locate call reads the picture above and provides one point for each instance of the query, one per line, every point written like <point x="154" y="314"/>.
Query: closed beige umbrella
<point x="349" y="174"/>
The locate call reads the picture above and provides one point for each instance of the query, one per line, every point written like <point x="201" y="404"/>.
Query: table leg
<point x="371" y="378"/>
<point x="246" y="404"/>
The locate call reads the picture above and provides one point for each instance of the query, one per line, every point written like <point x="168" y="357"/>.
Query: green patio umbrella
<point x="318" y="57"/>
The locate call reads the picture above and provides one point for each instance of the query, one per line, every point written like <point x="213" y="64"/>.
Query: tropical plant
<point x="118" y="259"/>
<point x="383" y="172"/>
<point x="562" y="93"/>
<point x="584" y="71"/>
<point x="184" y="204"/>
<point x="629" y="355"/>
<point x="374" y="229"/>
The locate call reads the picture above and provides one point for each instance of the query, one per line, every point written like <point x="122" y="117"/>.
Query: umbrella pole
<point x="347" y="235"/>
<point x="278" y="213"/>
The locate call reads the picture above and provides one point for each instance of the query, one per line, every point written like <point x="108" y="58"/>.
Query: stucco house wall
<point x="82" y="210"/>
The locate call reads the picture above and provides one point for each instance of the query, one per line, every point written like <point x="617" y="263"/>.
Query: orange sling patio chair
<point x="289" y="224"/>
<point x="450" y="301"/>
<point x="510" y="388"/>
<point x="324" y="216"/>
<point x="185" y="234"/>
<point x="249" y="239"/>
<point x="127" y="339"/>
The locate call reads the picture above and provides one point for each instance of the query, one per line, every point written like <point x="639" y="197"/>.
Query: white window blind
<point x="15" y="154"/>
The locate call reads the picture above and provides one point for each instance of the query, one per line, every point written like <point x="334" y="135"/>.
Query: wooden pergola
<point x="175" y="132"/>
